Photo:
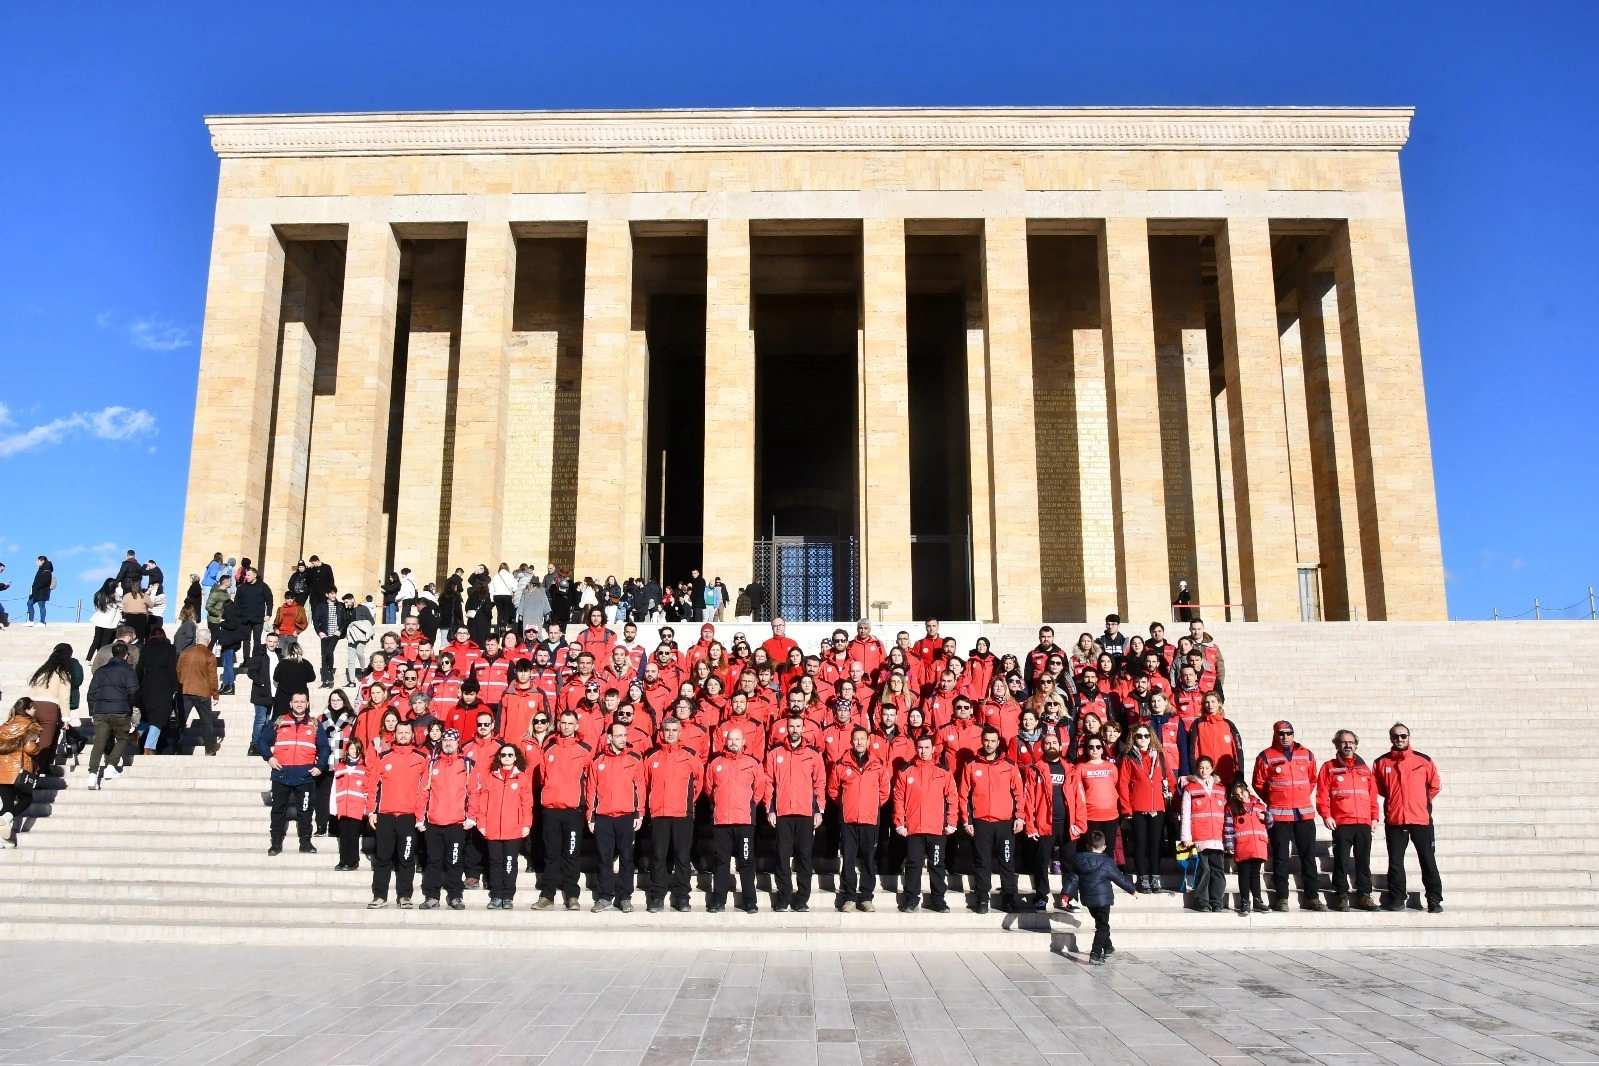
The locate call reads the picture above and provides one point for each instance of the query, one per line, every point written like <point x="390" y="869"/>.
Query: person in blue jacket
<point x="1091" y="880"/>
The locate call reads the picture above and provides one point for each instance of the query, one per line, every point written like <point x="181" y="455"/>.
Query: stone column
<point x="1014" y="456"/>
<point x="1261" y="484"/>
<point x="885" y="419"/>
<point x="529" y="448"/>
<point x="729" y="515"/>
<point x="1296" y="423"/>
<point x="423" y="503"/>
<point x="1343" y="576"/>
<point x="482" y="397"/>
<point x="603" y="546"/>
<point x="233" y="402"/>
<point x="349" y="532"/>
<point x="1400" y="549"/>
<point x="291" y="431"/>
<point x="979" y="458"/>
<point x="1096" y="510"/>
<point x="1138" y="488"/>
<point x="1210" y="585"/>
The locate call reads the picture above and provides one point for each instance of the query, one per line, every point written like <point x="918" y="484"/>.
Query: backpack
<point x="71" y="743"/>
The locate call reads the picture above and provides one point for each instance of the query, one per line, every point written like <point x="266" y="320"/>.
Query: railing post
<point x="1537" y="611"/>
<point x="1591" y="614"/>
<point x="1496" y="614"/>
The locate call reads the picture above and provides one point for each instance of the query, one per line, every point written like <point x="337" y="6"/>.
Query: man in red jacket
<point x="925" y="812"/>
<point x="735" y="784"/>
<point x="867" y="649"/>
<point x="395" y="812"/>
<point x="778" y="644"/>
<point x="1346" y="800"/>
<point x="797" y="792"/>
<point x="565" y="767"/>
<point x="1285" y="779"/>
<point x="672" y="781"/>
<point x="859" y="784"/>
<point x="615" y="802"/>
<point x="1408" y="782"/>
<point x="991" y="810"/>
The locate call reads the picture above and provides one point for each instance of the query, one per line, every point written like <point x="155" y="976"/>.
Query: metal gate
<point x="809" y="579"/>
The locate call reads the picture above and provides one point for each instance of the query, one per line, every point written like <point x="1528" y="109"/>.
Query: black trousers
<point x="501" y="867"/>
<point x="1109" y="829"/>
<point x="1248" y="879"/>
<point x="395" y="853"/>
<point x="473" y="861"/>
<point x="13" y="801"/>
<point x="1045" y="850"/>
<point x="324" y="801"/>
<point x="613" y="839"/>
<point x="563" y="837"/>
<point x="993" y="845"/>
<point x="1399" y="837"/>
<point x="329" y="645"/>
<point x="445" y="844"/>
<point x="730" y="843"/>
<point x="926" y="848"/>
<point x="205" y="719"/>
<point x="796" y="847"/>
<point x="1210" y="878"/>
<point x="252" y="638"/>
<point x="292" y="798"/>
<point x="1101" y="917"/>
<point x="349" y="830"/>
<point x="1143" y="854"/>
<point x="504" y="612"/>
<point x="859" y="844"/>
<point x="1352" y="842"/>
<point x="671" y="849"/>
<point x="1300" y="833"/>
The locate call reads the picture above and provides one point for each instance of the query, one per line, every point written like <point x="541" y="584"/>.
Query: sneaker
<point x="109" y="773"/>
<point x="625" y="906"/>
<point x="980" y="907"/>
<point x="938" y="906"/>
<point x="682" y="905"/>
<point x="544" y="903"/>
<point x="1393" y="905"/>
<point x="1243" y="909"/>
<point x="1340" y="902"/>
<point x="506" y="905"/>
<point x="711" y="908"/>
<point x="377" y="904"/>
<point x="91" y="782"/>
<point x="865" y="906"/>
<point x="494" y="904"/>
<point x="847" y="907"/>
<point x="1364" y="902"/>
<point x="599" y="905"/>
<point x="1258" y="905"/>
<point x="1040" y="904"/>
<point x="1433" y="906"/>
<point x="428" y="905"/>
<point x="1097" y="958"/>
<point x="1313" y="903"/>
<point x="8" y="841"/>
<point x="753" y="908"/>
<point x="275" y="849"/>
<point x="909" y="905"/>
<point x="308" y="848"/>
<point x="654" y="906"/>
<point x="779" y="906"/>
<point x="573" y="904"/>
<point x="404" y="903"/>
<point x="1110" y="949"/>
<point x="1279" y="905"/>
<point x="802" y="908"/>
<point x="457" y="904"/>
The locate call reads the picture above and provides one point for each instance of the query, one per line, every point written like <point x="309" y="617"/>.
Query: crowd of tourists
<point x="470" y="742"/>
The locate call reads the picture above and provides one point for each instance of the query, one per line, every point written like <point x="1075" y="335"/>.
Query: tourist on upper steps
<point x="54" y="689"/>
<point x="292" y="674"/>
<point x="107" y="613"/>
<point x="261" y="671"/>
<point x="111" y="696"/>
<point x="1408" y="782"/>
<point x="197" y="678"/>
<point x="158" y="691"/>
<point x="44" y="582"/>
<point x="254" y="602"/>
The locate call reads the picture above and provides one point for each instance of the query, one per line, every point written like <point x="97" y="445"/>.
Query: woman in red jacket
<point x="1145" y="786"/>
<point x="501" y="808"/>
<point x="349" y="803"/>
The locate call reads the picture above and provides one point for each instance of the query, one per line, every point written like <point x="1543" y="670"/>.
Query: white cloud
<point x="86" y="549"/>
<point x="156" y="334"/>
<point x="110" y="423"/>
<point x="96" y="574"/>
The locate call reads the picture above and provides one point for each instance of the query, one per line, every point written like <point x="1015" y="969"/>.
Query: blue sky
<point x="109" y="186"/>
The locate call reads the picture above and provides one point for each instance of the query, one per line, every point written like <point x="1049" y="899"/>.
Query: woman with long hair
<point x="54" y="690"/>
<point x="1146" y="784"/>
<point x="293" y="674"/>
<point x="501" y="807"/>
<point x="338" y="725"/>
<point x="1084" y="653"/>
<point x="188" y="625"/>
<point x="349" y="802"/>
<point x="19" y="746"/>
<point x="136" y="609"/>
<point x="1101" y="792"/>
<point x="107" y="613"/>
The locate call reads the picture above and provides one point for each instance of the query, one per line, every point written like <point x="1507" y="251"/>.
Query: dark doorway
<point x="940" y="476"/>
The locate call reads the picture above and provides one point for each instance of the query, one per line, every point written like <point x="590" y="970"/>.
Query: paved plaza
<point x="171" y="1003"/>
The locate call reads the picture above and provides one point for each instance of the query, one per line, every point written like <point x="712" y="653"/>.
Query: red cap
<point x="1283" y="726"/>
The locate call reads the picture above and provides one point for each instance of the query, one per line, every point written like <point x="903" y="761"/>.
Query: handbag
<point x="27" y="780"/>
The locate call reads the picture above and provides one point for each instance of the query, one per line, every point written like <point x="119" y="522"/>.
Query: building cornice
<point x="810" y="130"/>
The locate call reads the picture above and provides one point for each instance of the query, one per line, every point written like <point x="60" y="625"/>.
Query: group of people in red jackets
<point x="1101" y="763"/>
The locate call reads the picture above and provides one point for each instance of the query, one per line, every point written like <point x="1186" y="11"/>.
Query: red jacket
<point x="896" y="753"/>
<point x="991" y="791"/>
<point x="616" y="784"/>
<point x="1347" y="793"/>
<point x="834" y="741"/>
<point x="1204" y="812"/>
<point x="449" y="787"/>
<point x="925" y="800"/>
<point x="1005" y="717"/>
<point x="1246" y="836"/>
<point x="444" y="693"/>
<point x="1143" y="786"/>
<point x="869" y="652"/>
<point x="1286" y="781"/>
<point x="960" y="742"/>
<point x="566" y="764"/>
<point x="938" y="710"/>
<point x="1216" y="738"/>
<point x="796" y="781"/>
<point x="860" y="789"/>
<point x="1039" y="813"/>
<point x="672" y="778"/>
<point x="735" y="784"/>
<point x="502" y="804"/>
<point x="350" y="790"/>
<point x="493" y="678"/>
<point x="466" y="655"/>
<point x="754" y="735"/>
<point x="295" y="742"/>
<point x="1408" y="784"/>
<point x="399" y="785"/>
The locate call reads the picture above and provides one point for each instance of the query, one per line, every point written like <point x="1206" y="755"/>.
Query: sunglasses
<point x="1141" y="736"/>
<point x="1285" y="732"/>
<point x="1399" y="736"/>
<point x="541" y="721"/>
<point x="1096" y="747"/>
<point x="485" y="725"/>
<point x="508" y="755"/>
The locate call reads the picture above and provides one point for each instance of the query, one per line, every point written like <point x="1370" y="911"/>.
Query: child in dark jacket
<point x="1092" y="879"/>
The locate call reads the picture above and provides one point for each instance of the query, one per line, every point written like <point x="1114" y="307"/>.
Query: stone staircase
<point x="175" y="851"/>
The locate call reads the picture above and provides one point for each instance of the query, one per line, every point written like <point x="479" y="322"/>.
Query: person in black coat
<point x="130" y="570"/>
<point x="318" y="580"/>
<point x="1092" y="879"/>
<point x="293" y="675"/>
<point x="39" y="591"/>
<point x="479" y="612"/>
<point x="158" y="690"/>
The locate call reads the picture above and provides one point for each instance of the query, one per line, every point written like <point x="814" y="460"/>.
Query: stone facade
<point x="1190" y="350"/>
